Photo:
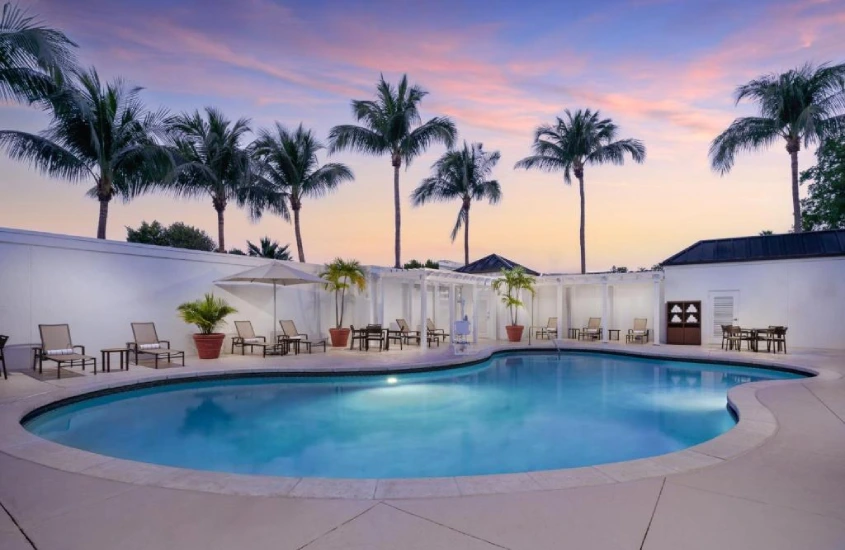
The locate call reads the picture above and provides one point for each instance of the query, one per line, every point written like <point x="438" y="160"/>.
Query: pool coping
<point x="756" y="424"/>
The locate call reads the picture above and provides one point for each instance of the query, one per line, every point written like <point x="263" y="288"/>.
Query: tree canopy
<point x="824" y="206"/>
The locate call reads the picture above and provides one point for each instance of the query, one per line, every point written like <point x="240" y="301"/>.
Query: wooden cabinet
<point x="683" y="323"/>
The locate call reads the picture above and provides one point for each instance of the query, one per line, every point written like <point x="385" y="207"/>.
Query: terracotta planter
<point x="339" y="337"/>
<point x="208" y="345"/>
<point x="514" y="332"/>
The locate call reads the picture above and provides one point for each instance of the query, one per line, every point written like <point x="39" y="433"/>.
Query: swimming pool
<point x="514" y="412"/>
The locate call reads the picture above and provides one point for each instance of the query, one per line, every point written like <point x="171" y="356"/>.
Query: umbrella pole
<point x="274" y="313"/>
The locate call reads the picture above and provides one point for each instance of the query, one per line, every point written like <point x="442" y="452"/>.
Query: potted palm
<point x="340" y="276"/>
<point x="513" y="281"/>
<point x="207" y="314"/>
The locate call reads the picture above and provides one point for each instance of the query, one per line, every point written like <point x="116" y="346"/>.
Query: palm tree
<point x="210" y="161"/>
<point x="391" y="125"/>
<point x="569" y="145"/>
<point x="33" y="58"/>
<point x="269" y="249"/>
<point x="100" y="133"/>
<point x="340" y="276"/>
<point x="288" y="163"/>
<point x="461" y="175"/>
<point x="803" y="105"/>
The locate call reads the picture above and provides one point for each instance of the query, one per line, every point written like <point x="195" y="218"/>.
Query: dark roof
<point x="815" y="244"/>
<point x="492" y="264"/>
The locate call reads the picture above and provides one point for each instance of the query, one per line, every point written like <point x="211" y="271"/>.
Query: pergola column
<point x="451" y="329"/>
<point x="423" y="312"/>
<point x="604" y="310"/>
<point x="381" y="301"/>
<point x="655" y="329"/>
<point x="474" y="313"/>
<point x="560" y="309"/>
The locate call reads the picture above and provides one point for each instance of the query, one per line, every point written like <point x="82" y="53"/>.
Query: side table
<point x="123" y="354"/>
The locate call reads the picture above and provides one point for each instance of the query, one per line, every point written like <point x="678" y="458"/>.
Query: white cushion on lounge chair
<point x="149" y="346"/>
<point x="253" y="341"/>
<point x="68" y="351"/>
<point x="639" y="331"/>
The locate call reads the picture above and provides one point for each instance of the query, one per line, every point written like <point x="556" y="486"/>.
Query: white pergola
<point x="425" y="277"/>
<point x="432" y="279"/>
<point x="606" y="280"/>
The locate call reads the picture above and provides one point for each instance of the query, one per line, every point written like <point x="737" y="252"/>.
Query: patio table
<point x="753" y="337"/>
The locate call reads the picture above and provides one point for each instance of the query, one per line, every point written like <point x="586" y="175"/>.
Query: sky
<point x="663" y="70"/>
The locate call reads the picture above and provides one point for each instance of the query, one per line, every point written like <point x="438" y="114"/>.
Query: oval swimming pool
<point x="515" y="412"/>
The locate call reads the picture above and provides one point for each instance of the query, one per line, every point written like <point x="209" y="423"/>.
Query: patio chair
<point x="734" y="337"/>
<point x="547" y="331"/>
<point x="593" y="330"/>
<point x="776" y="339"/>
<point x="147" y="342"/>
<point x="3" y="340"/>
<point x="640" y="332"/>
<point x="374" y="333"/>
<point x="293" y="336"/>
<point x="57" y="346"/>
<point x="726" y="331"/>
<point x="246" y="338"/>
<point x="407" y="332"/>
<point x="359" y="334"/>
<point x="435" y="332"/>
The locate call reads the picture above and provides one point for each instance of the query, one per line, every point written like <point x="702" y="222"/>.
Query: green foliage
<point x="237" y="252"/>
<point x="620" y="269"/>
<point x="340" y="276"/>
<point x="207" y="313"/>
<point x="178" y="235"/>
<point x="391" y="125"/>
<point x="34" y="59"/>
<point x="416" y="264"/>
<point x="99" y="133"/>
<point x="269" y="249"/>
<point x="288" y="167"/>
<point x="461" y="175"/>
<point x="514" y="280"/>
<point x="802" y="106"/>
<point x="824" y="206"/>
<point x="766" y="232"/>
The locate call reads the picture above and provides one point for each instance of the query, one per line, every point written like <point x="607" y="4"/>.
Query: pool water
<point x="515" y="412"/>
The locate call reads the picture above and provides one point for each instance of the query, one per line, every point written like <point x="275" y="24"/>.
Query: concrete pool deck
<point x="775" y="481"/>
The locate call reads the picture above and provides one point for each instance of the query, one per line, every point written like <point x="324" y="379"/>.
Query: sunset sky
<point x="664" y="71"/>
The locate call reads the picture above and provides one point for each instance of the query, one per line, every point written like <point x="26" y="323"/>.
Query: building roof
<point x="492" y="264"/>
<point x="815" y="244"/>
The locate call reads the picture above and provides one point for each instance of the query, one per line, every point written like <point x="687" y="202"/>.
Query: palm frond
<point x="744" y="134"/>
<point x="44" y="155"/>
<point x="356" y="138"/>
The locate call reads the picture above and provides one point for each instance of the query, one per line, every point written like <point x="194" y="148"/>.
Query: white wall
<point x="808" y="296"/>
<point x="100" y="287"/>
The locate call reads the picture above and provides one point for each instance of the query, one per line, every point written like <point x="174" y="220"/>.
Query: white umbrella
<point x="275" y="273"/>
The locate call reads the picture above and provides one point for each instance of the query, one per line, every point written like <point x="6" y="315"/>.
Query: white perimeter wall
<point x="100" y="287"/>
<point x="808" y="296"/>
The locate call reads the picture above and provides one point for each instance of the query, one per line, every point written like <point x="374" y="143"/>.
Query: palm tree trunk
<point x="796" y="201"/>
<point x="583" y="240"/>
<point x="104" y="216"/>
<point x="466" y="235"/>
<point x="298" y="235"/>
<point x="396" y="205"/>
<point x="221" y="243"/>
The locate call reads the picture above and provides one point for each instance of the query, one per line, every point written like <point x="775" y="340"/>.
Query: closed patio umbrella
<point x="277" y="274"/>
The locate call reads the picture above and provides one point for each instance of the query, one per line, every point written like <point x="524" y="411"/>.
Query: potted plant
<point x="207" y="314"/>
<point x="514" y="281"/>
<point x="340" y="276"/>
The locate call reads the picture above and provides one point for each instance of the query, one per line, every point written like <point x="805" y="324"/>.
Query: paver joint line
<point x="11" y="517"/>
<point x="444" y="526"/>
<point x="336" y="527"/>
<point x="823" y="403"/>
<point x="653" y="512"/>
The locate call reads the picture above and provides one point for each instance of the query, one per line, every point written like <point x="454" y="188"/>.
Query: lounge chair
<point x="593" y="330"/>
<point x="246" y="338"/>
<point x="292" y="336"/>
<point x="57" y="346"/>
<point x="547" y="331"/>
<point x="435" y="332"/>
<point x="3" y="340"/>
<point x="147" y="342"/>
<point x="640" y="332"/>
<point x="407" y="332"/>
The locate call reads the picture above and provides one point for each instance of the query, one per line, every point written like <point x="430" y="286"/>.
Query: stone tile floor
<point x="788" y="492"/>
